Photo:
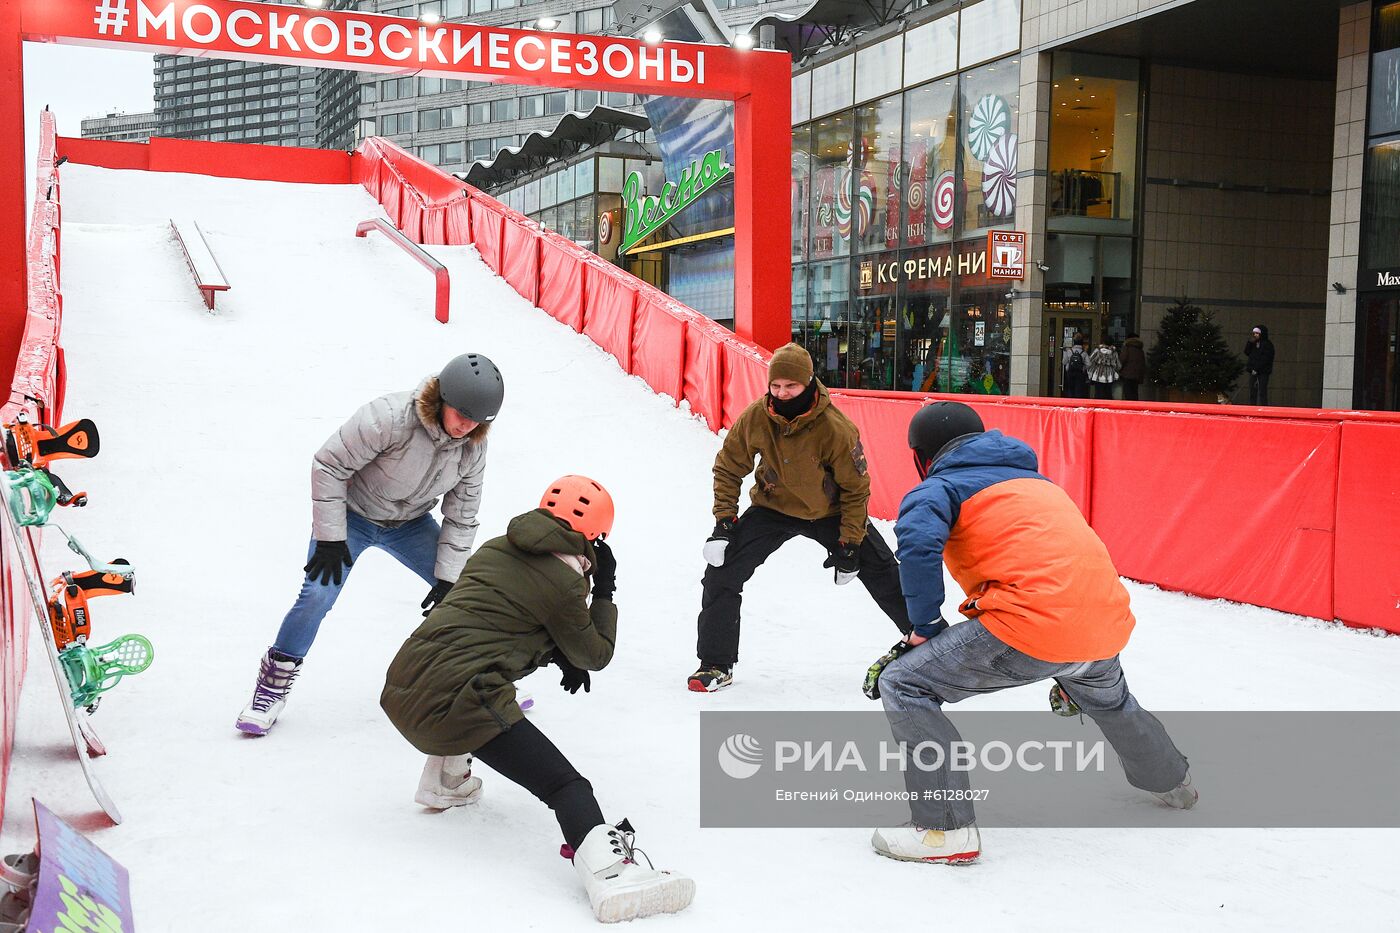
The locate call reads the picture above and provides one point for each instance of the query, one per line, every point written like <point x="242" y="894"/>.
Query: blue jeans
<point x="966" y="660"/>
<point x="413" y="544"/>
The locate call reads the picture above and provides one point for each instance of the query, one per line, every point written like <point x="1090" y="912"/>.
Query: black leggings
<point x="524" y="755"/>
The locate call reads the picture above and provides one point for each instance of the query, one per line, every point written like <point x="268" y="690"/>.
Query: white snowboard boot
<point x="911" y="843"/>
<point x="275" y="677"/>
<point x="1183" y="796"/>
<point x="619" y="888"/>
<point x="447" y="782"/>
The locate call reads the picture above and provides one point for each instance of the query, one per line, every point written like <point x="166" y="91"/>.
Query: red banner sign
<point x="371" y="42"/>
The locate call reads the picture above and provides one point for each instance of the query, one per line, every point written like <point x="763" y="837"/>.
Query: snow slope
<point x="208" y="425"/>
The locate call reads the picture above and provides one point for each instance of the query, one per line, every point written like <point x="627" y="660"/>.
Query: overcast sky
<point x="78" y="82"/>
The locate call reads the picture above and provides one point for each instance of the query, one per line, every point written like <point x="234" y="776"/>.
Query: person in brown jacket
<point x="1134" y="367"/>
<point x="811" y="481"/>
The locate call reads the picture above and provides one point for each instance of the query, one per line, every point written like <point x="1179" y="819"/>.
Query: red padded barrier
<point x="105" y="153"/>
<point x="486" y="232"/>
<point x="658" y="343"/>
<point x="1061" y="437"/>
<point x="520" y="257"/>
<point x="459" y="223"/>
<point x="608" y="310"/>
<point x="1367" y="571"/>
<point x="411" y="215"/>
<point x="745" y="376"/>
<point x="221" y="160"/>
<point x="1237" y="508"/>
<point x="435" y="225"/>
<point x="561" y="289"/>
<point x="884" y="432"/>
<point x="704" y="370"/>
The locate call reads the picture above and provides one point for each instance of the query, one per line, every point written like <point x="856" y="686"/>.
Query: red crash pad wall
<point x="222" y="160"/>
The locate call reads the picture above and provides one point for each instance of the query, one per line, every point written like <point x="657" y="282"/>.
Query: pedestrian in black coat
<point x="1259" y="361"/>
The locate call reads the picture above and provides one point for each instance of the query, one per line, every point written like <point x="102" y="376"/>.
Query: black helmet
<point x="933" y="426"/>
<point x="472" y="384"/>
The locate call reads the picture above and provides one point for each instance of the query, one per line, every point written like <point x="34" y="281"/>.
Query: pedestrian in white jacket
<point x="374" y="483"/>
<point x="1104" y="367"/>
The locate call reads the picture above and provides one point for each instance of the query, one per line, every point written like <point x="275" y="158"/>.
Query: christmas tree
<point x="1190" y="353"/>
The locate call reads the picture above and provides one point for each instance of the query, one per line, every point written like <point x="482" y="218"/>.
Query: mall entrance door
<point x="1060" y="328"/>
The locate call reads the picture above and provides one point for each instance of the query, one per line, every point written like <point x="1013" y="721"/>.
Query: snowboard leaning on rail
<point x="86" y="743"/>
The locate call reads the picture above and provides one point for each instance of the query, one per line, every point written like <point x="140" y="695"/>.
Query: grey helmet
<point x="472" y="384"/>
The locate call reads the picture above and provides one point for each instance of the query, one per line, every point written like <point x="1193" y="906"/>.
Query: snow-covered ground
<point x="208" y="424"/>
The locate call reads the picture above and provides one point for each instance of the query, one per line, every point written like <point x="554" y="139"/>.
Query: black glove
<point x="435" y="596"/>
<point x="846" y="562"/>
<point x="327" y="560"/>
<point x="718" y="541"/>
<point x="604" y="571"/>
<point x="574" y="677"/>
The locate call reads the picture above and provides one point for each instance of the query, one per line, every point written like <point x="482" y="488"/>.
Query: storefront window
<point x="610" y="175"/>
<point x="1093" y="142"/>
<point x="879" y="68"/>
<point x="832" y="85"/>
<point x="876" y="211"/>
<point x="1385" y="72"/>
<point x="990" y="99"/>
<point x="1380" y="209"/>
<point x="931" y="50"/>
<point x="799" y="305"/>
<point x="828" y="298"/>
<point x="924" y="292"/>
<point x="989" y="29"/>
<point x="801" y="191"/>
<point x="930" y="159"/>
<point x="831" y="216"/>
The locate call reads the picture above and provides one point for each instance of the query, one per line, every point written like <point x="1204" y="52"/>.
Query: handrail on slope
<point x="424" y="259"/>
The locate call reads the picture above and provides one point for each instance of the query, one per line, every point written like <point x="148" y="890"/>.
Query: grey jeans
<point x="966" y="660"/>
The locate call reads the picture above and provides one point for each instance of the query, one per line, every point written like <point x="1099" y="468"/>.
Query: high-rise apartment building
<point x="121" y="127"/>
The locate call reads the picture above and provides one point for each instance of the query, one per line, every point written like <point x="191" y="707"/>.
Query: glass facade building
<point x="904" y="157"/>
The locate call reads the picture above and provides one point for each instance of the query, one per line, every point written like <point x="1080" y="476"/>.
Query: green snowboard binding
<point x="93" y="671"/>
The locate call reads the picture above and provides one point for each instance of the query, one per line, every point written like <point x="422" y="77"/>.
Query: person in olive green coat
<point x="810" y="481"/>
<point x="521" y="602"/>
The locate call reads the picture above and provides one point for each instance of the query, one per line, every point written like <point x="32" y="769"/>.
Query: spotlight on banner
<point x="652" y="36"/>
<point x="314" y="4"/>
<point x="546" y="23"/>
<point x="430" y="18"/>
<point x="743" y="41"/>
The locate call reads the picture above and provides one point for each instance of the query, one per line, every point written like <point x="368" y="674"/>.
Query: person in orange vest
<point x="1043" y="601"/>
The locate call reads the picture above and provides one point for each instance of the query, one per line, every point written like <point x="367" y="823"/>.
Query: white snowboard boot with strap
<point x="1181" y="797"/>
<point x="911" y="843"/>
<point x="275" y="676"/>
<point x="618" y="887"/>
<point x="447" y="782"/>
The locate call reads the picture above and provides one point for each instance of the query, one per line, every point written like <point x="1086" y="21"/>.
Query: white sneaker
<point x="1183" y="796"/>
<point x="911" y="843"/>
<point x="275" y="676"/>
<point x="619" y="888"/>
<point x="447" y="783"/>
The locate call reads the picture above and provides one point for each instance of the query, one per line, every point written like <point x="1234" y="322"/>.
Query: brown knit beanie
<point x="791" y="361"/>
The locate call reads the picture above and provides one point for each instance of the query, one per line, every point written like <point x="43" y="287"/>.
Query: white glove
<point x="714" y="551"/>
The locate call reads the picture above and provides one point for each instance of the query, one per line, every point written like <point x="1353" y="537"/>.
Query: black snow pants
<point x="758" y="534"/>
<point x="524" y="754"/>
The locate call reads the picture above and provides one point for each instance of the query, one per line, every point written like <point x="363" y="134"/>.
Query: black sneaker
<point x="710" y="679"/>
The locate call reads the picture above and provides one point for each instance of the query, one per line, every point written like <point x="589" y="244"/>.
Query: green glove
<point x="1061" y="704"/>
<point x="871" y="687"/>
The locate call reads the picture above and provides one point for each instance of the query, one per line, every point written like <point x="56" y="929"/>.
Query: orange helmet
<point x="583" y="504"/>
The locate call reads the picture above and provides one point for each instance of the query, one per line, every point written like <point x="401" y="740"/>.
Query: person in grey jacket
<point x="374" y="483"/>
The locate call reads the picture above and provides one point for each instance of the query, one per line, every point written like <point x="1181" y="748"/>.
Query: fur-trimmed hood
<point x="428" y="403"/>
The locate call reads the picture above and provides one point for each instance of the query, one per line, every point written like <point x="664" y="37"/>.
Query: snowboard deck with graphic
<point x="85" y="741"/>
